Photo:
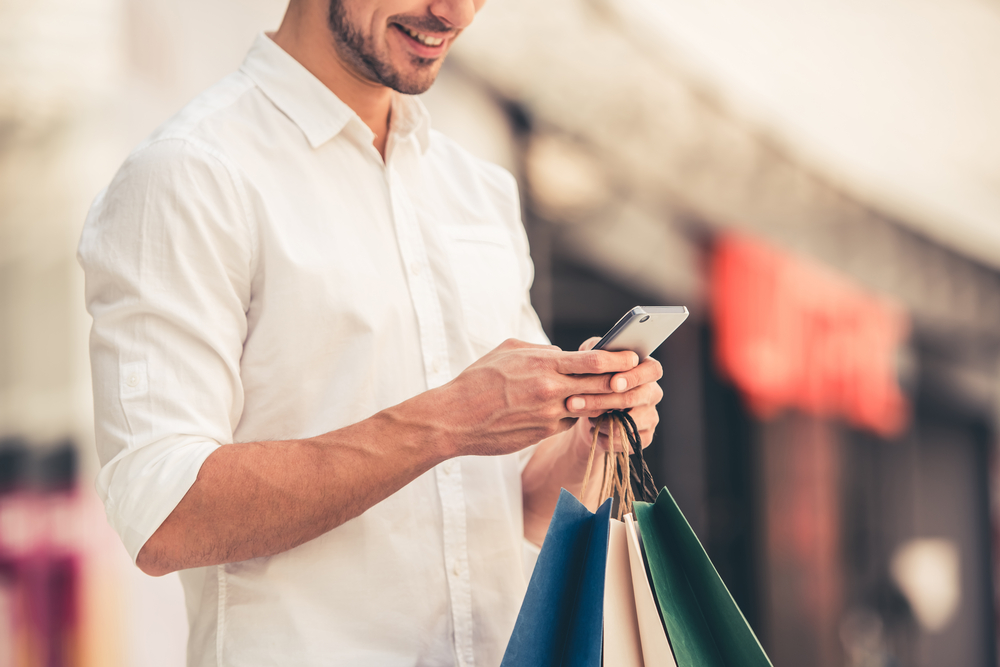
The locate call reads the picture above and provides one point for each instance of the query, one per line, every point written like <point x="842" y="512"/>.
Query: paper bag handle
<point x="624" y="474"/>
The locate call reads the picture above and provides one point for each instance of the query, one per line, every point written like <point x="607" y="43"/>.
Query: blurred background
<point x="818" y="182"/>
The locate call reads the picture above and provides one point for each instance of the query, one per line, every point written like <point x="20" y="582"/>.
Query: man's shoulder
<point x="189" y="156"/>
<point x="196" y="127"/>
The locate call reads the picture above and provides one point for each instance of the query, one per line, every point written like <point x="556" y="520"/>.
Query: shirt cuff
<point x="141" y="487"/>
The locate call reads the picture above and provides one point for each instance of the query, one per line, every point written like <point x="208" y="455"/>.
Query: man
<point x="298" y="293"/>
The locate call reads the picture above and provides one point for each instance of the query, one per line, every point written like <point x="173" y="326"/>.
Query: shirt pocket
<point x="488" y="280"/>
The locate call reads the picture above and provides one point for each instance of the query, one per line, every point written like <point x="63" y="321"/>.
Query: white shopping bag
<point x="656" y="650"/>
<point x="621" y="626"/>
<point x="633" y="631"/>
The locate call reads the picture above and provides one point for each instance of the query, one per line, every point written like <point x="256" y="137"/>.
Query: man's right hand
<point x="516" y="395"/>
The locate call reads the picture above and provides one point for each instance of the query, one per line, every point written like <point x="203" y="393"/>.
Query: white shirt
<point x="255" y="272"/>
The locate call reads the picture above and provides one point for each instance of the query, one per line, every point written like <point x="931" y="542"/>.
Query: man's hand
<point x="560" y="461"/>
<point x="636" y="390"/>
<point x="520" y="394"/>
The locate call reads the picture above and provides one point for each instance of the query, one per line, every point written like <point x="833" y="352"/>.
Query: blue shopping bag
<point x="562" y="617"/>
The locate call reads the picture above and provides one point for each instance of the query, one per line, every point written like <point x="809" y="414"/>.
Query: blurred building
<point x="817" y="183"/>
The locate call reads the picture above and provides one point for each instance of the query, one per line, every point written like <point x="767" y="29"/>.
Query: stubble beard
<point x="363" y="56"/>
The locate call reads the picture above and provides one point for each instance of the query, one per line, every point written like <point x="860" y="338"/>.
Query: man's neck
<point x="309" y="42"/>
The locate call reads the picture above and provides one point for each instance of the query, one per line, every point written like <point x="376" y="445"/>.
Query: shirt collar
<point x="318" y="112"/>
<point x="409" y="116"/>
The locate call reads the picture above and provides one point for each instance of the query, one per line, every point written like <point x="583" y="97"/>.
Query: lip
<point x="419" y="48"/>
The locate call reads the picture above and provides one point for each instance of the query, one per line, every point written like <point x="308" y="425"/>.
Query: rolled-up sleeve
<point x="168" y="253"/>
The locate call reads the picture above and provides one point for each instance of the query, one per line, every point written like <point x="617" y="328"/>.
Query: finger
<point x="649" y="370"/>
<point x="589" y="343"/>
<point x="580" y="385"/>
<point x="646" y="421"/>
<point x="596" y="404"/>
<point x="582" y="388"/>
<point x="596" y="362"/>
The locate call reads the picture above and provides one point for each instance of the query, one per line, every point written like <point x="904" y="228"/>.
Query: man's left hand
<point x="636" y="390"/>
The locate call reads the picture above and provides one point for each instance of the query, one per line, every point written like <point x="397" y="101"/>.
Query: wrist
<point x="419" y="428"/>
<point x="572" y="451"/>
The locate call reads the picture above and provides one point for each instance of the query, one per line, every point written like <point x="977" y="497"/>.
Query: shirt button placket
<point x="430" y="324"/>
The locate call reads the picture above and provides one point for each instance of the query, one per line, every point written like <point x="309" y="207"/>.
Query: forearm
<point x="262" y="498"/>
<point x="258" y="499"/>
<point x="559" y="462"/>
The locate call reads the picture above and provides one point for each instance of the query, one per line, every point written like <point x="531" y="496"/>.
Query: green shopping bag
<point x="705" y="626"/>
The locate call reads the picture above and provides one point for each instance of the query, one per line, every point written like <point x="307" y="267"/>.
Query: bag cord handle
<point x="626" y="476"/>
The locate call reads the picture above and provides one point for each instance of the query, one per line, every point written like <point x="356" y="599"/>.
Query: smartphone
<point x="642" y="329"/>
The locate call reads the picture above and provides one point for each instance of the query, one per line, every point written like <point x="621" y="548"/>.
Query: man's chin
<point x="413" y="88"/>
<point x="414" y="82"/>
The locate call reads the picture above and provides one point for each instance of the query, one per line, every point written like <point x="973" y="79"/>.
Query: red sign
<point x="791" y="334"/>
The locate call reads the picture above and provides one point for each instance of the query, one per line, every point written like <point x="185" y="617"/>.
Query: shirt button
<point x="132" y="381"/>
<point x="435" y="365"/>
<point x="415" y="269"/>
<point x="455" y="569"/>
<point x="449" y="467"/>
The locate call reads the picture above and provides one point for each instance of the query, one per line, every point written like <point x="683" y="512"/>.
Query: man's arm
<point x="258" y="499"/>
<point x="169" y="254"/>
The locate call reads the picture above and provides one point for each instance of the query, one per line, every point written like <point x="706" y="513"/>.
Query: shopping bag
<point x="581" y="591"/>
<point x="623" y="590"/>
<point x="705" y="626"/>
<point x="560" y="621"/>
<point x="656" y="649"/>
<point x="622" y="644"/>
<point x="633" y="632"/>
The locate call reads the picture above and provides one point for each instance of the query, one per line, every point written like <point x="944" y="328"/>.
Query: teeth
<point x="422" y="38"/>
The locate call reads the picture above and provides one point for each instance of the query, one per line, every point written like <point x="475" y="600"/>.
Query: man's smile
<point x="425" y="44"/>
<point x="421" y="37"/>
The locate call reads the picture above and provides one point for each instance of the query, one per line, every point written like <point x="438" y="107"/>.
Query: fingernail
<point x="621" y="384"/>
<point x="576" y="404"/>
<point x="635" y="360"/>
